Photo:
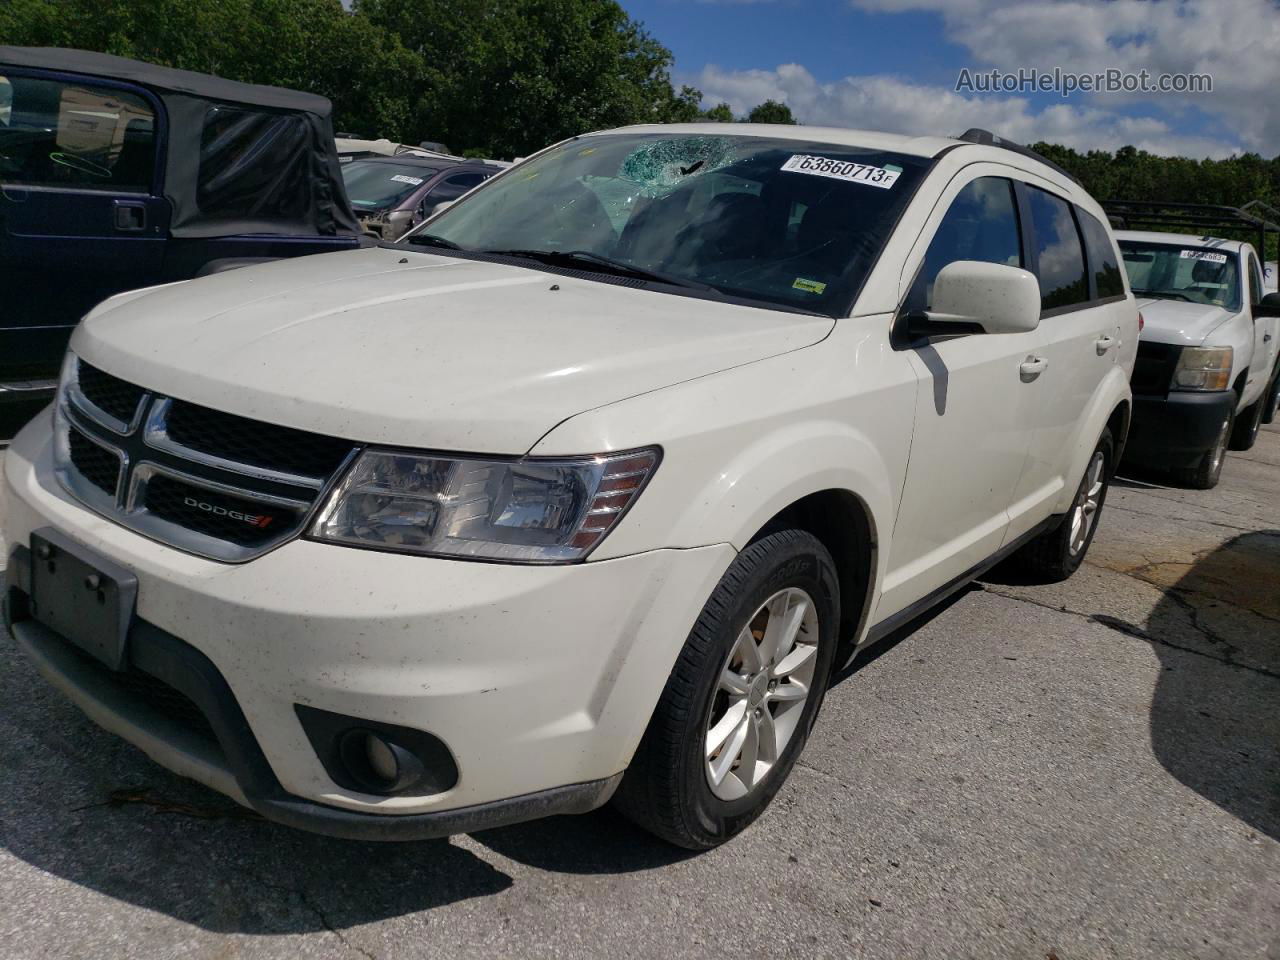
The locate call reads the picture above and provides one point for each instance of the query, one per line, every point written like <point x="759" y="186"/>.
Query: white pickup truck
<point x="1206" y="377"/>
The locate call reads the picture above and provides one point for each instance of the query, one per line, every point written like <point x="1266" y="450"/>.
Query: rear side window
<point x="75" y="135"/>
<point x="254" y="165"/>
<point x="1060" y="255"/>
<point x="981" y="224"/>
<point x="1102" y="256"/>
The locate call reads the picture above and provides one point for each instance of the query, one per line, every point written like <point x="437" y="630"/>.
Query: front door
<point x="974" y="411"/>
<point x="80" y="215"/>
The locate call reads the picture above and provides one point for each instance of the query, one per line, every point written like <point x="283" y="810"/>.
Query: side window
<point x="451" y="188"/>
<point x="1255" y="281"/>
<point x="1102" y="256"/>
<point x="1061" y="258"/>
<point x="981" y="224"/>
<point x="254" y="164"/>
<point x="463" y="182"/>
<point x="58" y="134"/>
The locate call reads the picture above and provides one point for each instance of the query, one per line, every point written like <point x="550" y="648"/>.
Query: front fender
<point x="741" y="446"/>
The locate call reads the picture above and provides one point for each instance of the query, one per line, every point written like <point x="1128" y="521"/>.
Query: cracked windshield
<point x="788" y="222"/>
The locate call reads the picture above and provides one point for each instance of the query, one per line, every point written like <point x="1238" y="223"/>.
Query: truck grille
<point x="1153" y="369"/>
<point x="214" y="484"/>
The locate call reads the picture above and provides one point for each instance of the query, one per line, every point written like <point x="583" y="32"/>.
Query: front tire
<point x="1206" y="472"/>
<point x="1058" y="552"/>
<point x="1272" y="406"/>
<point x="1245" y="433"/>
<point x="741" y="699"/>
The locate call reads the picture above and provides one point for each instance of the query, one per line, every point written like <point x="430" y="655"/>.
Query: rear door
<point x="81" y="216"/>
<point x="1082" y="306"/>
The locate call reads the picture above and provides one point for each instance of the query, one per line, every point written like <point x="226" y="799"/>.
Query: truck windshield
<point x="791" y="222"/>
<point x="376" y="184"/>
<point x="1174" y="272"/>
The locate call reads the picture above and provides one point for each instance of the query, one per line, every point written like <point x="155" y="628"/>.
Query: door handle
<point x="1031" y="368"/>
<point x="1104" y="343"/>
<point x="1266" y="338"/>
<point x="130" y="217"/>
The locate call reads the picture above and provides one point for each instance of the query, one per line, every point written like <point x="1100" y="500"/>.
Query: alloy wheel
<point x="1085" y="512"/>
<point x="761" y="693"/>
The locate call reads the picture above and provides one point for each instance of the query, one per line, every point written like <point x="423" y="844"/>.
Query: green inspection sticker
<point x="812" y="286"/>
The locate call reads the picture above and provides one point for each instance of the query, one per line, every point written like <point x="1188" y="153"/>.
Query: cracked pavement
<point x="1089" y="769"/>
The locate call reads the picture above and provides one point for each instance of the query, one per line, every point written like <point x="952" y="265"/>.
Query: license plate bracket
<point x="85" y="597"/>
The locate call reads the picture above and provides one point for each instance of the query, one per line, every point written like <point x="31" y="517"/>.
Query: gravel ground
<point x="1085" y="770"/>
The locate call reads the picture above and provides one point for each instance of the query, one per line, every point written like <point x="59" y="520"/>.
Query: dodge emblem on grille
<point x="252" y="519"/>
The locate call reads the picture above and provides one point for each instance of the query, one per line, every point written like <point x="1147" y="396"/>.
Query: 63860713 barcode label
<point x="872" y="176"/>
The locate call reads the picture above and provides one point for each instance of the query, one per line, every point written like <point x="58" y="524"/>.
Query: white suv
<point x="588" y="485"/>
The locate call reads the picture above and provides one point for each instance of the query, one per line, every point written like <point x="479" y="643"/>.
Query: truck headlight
<point x="521" y="511"/>
<point x="1203" y="368"/>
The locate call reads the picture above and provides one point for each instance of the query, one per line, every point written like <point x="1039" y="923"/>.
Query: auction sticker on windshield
<point x="401" y="178"/>
<point x="1204" y="255"/>
<point x="882" y="177"/>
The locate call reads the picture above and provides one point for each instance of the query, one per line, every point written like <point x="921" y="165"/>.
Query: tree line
<point x="488" y="77"/>
<point x="1131" y="174"/>
<point x="500" y="78"/>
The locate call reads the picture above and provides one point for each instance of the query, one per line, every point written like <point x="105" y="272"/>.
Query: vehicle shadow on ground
<point x="1215" y="712"/>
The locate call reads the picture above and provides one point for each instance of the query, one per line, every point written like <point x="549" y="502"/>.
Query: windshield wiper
<point x="431" y="240"/>
<point x="602" y="264"/>
<point x="1162" y="294"/>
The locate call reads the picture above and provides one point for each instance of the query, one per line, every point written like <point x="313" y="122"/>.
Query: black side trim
<point x="921" y="606"/>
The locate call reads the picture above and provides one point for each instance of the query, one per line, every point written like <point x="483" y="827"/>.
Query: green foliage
<point x="1131" y="174"/>
<point x="497" y="77"/>
<point x="771" y="111"/>
<point x="720" y="113"/>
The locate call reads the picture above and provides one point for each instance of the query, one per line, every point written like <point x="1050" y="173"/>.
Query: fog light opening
<point x="381" y="758"/>
<point x="378" y="764"/>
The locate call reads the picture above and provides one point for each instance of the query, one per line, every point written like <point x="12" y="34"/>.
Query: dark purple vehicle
<point x="117" y="174"/>
<point x="391" y="194"/>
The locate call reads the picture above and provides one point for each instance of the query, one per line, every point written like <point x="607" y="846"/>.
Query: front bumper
<point x="1178" y="429"/>
<point x="539" y="680"/>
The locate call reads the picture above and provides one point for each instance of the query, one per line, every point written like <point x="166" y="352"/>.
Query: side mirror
<point x="1268" y="306"/>
<point x="995" y="297"/>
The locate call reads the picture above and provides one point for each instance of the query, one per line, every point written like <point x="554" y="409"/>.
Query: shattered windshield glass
<point x="791" y="222"/>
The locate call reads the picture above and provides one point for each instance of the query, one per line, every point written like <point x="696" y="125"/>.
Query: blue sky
<point x="893" y="65"/>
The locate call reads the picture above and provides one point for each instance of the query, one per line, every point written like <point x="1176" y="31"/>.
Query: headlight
<point x="1203" y="368"/>
<point x="522" y="511"/>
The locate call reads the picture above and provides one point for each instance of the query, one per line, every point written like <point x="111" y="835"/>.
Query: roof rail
<point x="988" y="139"/>
<point x="1203" y="217"/>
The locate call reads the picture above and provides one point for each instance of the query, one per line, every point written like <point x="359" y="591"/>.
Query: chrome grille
<point x="214" y="484"/>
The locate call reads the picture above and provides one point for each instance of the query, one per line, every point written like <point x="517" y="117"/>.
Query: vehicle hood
<point x="422" y="350"/>
<point x="1175" y="321"/>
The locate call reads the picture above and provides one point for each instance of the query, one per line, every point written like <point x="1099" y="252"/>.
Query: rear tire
<point x="1208" y="469"/>
<point x="711" y="760"/>
<point x="1058" y="552"/>
<point x="1245" y="432"/>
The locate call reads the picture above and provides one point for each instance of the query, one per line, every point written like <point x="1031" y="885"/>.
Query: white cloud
<point x="894" y="105"/>
<point x="1237" y="42"/>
